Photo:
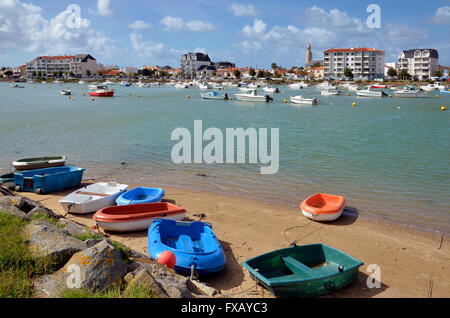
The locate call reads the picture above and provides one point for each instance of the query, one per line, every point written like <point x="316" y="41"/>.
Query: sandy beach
<point x="413" y="263"/>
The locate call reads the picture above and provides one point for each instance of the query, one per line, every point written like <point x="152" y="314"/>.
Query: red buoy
<point x="167" y="258"/>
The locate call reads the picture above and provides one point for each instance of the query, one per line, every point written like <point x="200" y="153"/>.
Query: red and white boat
<point x="323" y="207"/>
<point x="101" y="91"/>
<point x="378" y="86"/>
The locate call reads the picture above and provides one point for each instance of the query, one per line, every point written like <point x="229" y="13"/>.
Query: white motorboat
<point x="251" y="95"/>
<point x="217" y="86"/>
<point x="142" y="85"/>
<point x="430" y="87"/>
<point x="14" y="85"/>
<point x="410" y="91"/>
<point x="125" y="83"/>
<point x="370" y="92"/>
<point x="271" y="90"/>
<point x="214" y="95"/>
<point x="181" y="85"/>
<point x="330" y="91"/>
<point x="305" y="101"/>
<point x="65" y="92"/>
<point x="30" y="82"/>
<point x="243" y="89"/>
<point x="93" y="197"/>
<point x="204" y="86"/>
<point x="300" y="85"/>
<point x="44" y="82"/>
<point x="110" y="83"/>
<point x="326" y="85"/>
<point x="253" y="85"/>
<point x="81" y="82"/>
<point x="57" y="82"/>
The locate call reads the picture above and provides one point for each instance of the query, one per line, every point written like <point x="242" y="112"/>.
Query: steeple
<point x="308" y="56"/>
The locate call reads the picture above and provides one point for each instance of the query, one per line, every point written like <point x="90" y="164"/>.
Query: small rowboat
<point x="39" y="163"/>
<point x="101" y="91"/>
<point x="196" y="247"/>
<point x="65" y="92"/>
<point x="323" y="207"/>
<point x="214" y="95"/>
<point x="304" y="271"/>
<point x="7" y="180"/>
<point x="48" y="180"/>
<point x="379" y="86"/>
<point x="136" y="217"/>
<point x="305" y="101"/>
<point x="93" y="197"/>
<point x="141" y="195"/>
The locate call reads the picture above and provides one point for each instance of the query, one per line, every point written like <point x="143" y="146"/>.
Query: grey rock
<point x="75" y="228"/>
<point x="202" y="288"/>
<point x="43" y="210"/>
<point x="144" y="278"/>
<point x="92" y="242"/>
<point x="93" y="269"/>
<point x="45" y="239"/>
<point x="12" y="205"/>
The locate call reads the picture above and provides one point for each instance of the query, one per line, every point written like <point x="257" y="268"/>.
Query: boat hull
<point x="304" y="271"/>
<point x="304" y="101"/>
<point x="323" y="207"/>
<point x="102" y="94"/>
<point x="141" y="195"/>
<point x="7" y="180"/>
<point x="39" y="163"/>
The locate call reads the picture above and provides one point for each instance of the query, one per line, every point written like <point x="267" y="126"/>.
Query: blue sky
<point x="248" y="33"/>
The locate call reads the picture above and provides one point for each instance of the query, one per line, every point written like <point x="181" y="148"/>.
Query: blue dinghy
<point x="48" y="180"/>
<point x="194" y="244"/>
<point x="141" y="195"/>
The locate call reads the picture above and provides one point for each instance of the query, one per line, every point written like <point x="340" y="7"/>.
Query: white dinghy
<point x="93" y="197"/>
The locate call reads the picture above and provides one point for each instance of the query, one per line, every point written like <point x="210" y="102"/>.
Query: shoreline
<point x="412" y="262"/>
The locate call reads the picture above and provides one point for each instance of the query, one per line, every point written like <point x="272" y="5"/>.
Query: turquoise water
<point x="388" y="156"/>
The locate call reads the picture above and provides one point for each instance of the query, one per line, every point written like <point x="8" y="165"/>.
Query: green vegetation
<point x="45" y="217"/>
<point x="348" y="73"/>
<point x="392" y="72"/>
<point x="87" y="236"/>
<point x="17" y="266"/>
<point x="134" y="291"/>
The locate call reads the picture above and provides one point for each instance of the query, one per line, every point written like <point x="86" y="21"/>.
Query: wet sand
<point x="413" y="263"/>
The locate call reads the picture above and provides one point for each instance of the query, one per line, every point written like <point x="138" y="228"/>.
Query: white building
<point x="191" y="62"/>
<point x="52" y="65"/>
<point x="365" y="63"/>
<point x="421" y="63"/>
<point x="130" y="70"/>
<point x="388" y="66"/>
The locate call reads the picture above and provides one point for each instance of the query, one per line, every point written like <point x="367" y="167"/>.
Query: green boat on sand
<point x="304" y="271"/>
<point x="39" y="163"/>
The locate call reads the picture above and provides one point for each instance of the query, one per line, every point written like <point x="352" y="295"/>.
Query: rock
<point x="12" y="206"/>
<point x="92" y="242"/>
<point x="45" y="239"/>
<point x="202" y="288"/>
<point x="145" y="279"/>
<point x="75" y="228"/>
<point x="43" y="210"/>
<point x="93" y="269"/>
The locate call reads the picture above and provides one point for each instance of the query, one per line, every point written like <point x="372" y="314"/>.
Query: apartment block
<point x="420" y="63"/>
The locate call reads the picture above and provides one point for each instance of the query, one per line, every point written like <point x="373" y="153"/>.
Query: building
<point x="223" y="65"/>
<point x="205" y="71"/>
<point x="365" y="63"/>
<point x="78" y="65"/>
<point x="309" y="56"/>
<point x="109" y="73"/>
<point x="191" y="62"/>
<point x="130" y="70"/>
<point x="388" y="66"/>
<point x="445" y="70"/>
<point x="316" y="73"/>
<point x="420" y="63"/>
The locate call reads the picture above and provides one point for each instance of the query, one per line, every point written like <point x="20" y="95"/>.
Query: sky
<point x="247" y="33"/>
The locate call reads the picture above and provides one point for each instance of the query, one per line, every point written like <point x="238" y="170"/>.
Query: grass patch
<point x="45" y="217"/>
<point x="87" y="235"/>
<point x="134" y="291"/>
<point x="17" y="266"/>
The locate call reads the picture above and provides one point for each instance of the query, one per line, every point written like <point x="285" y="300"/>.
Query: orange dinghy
<point x="136" y="217"/>
<point x="323" y="207"/>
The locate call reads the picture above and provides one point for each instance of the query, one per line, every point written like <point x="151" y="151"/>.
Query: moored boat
<point x="214" y="95"/>
<point x="410" y="91"/>
<point x="92" y="197"/>
<point x="370" y="92"/>
<point x="323" y="207"/>
<point x="271" y="90"/>
<point x="125" y="83"/>
<point x="141" y="195"/>
<point x="305" y="101"/>
<point x="101" y="91"/>
<point x="252" y="96"/>
<point x="430" y="87"/>
<point x="330" y="92"/>
<point x="65" y="92"/>
<point x="7" y="180"/>
<point x="445" y="91"/>
<point x="136" y="217"/>
<point x="304" y="271"/>
<point x="39" y="163"/>
<point x="195" y="245"/>
<point x="48" y="180"/>
<point x="378" y="86"/>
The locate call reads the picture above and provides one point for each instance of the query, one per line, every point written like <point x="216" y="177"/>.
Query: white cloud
<point x="139" y="25"/>
<point x="257" y="30"/>
<point x="442" y="15"/>
<point x="23" y="27"/>
<point x="241" y="10"/>
<point x="150" y="50"/>
<point x="104" y="9"/>
<point x="177" y="24"/>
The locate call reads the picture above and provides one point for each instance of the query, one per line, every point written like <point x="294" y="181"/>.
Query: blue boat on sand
<point x="141" y="195"/>
<point x="48" y="180"/>
<point x="195" y="245"/>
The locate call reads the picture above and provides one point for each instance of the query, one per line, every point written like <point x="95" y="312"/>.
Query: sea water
<point x="387" y="156"/>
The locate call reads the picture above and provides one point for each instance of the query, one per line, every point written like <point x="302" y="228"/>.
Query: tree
<point x="404" y="74"/>
<point x="348" y="73"/>
<point x="8" y="73"/>
<point x="60" y="73"/>
<point x="438" y="73"/>
<point x="88" y="73"/>
<point x="237" y="73"/>
<point x="260" y="73"/>
<point x="274" y="66"/>
<point x="315" y="65"/>
<point x="392" y="72"/>
<point x="251" y="72"/>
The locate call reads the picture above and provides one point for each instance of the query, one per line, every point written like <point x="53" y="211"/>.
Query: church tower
<point x="309" y="56"/>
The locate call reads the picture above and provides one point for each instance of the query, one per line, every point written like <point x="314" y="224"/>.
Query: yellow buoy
<point x="139" y="95"/>
<point x="231" y="98"/>
<point x="443" y="108"/>
<point x="437" y="96"/>
<point x="285" y="100"/>
<point x="84" y="94"/>
<point x="354" y="104"/>
<point x="188" y="96"/>
<point x="283" y="92"/>
<point x="309" y="93"/>
<point x="390" y="95"/>
<point x="347" y="94"/>
<point x="69" y="97"/>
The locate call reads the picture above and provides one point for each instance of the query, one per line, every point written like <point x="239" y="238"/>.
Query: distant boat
<point x="326" y="85"/>
<point x="143" y="85"/>
<point x="214" y="95"/>
<point x="369" y="92"/>
<point x="252" y="96"/>
<point x="7" y="180"/>
<point x="136" y="217"/>
<point x="110" y="83"/>
<point x="57" y="82"/>
<point x="101" y="91"/>
<point x="65" y="92"/>
<point x="204" y="86"/>
<point x="323" y="207"/>
<point x="81" y="82"/>
<point x="195" y="245"/>
<point x="379" y="86"/>
<point x="93" y="197"/>
<point x="125" y="83"/>
<point x="14" y="85"/>
<point x="304" y="271"/>
<point x="298" y="85"/>
<point x="181" y="85"/>
<point x="410" y="91"/>
<point x="141" y="195"/>
<point x="302" y="100"/>
<point x="271" y="90"/>
<point x="430" y="87"/>
<point x="329" y="91"/>
<point x="445" y="91"/>
<point x="39" y="163"/>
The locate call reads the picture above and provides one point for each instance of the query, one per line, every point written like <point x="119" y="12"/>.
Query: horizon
<point x="248" y="34"/>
